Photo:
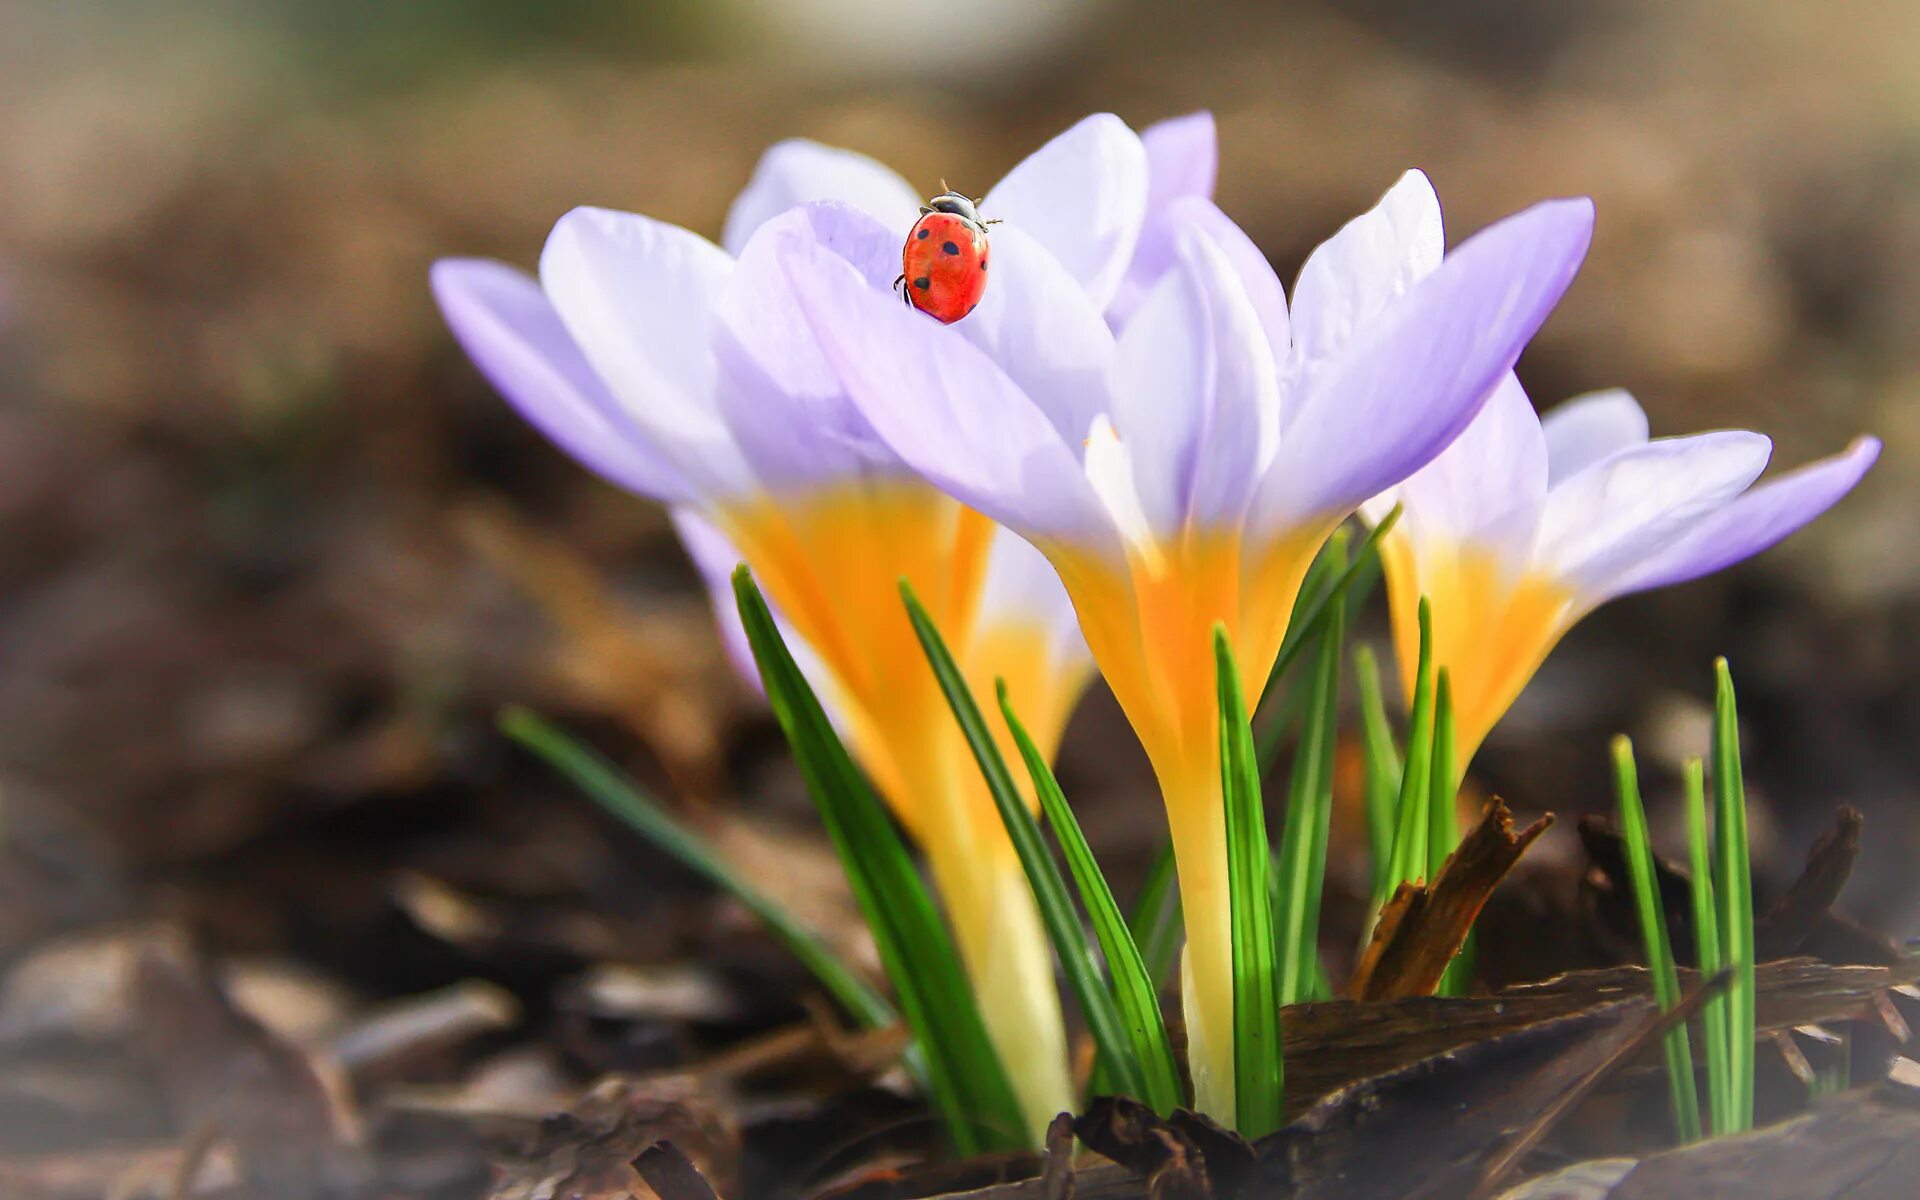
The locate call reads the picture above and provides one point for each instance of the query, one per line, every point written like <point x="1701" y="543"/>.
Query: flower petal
<point x="715" y="557"/>
<point x="1586" y="429"/>
<point x="781" y="398"/>
<point x="1410" y="381"/>
<point x="798" y="171"/>
<point x="1637" y="502"/>
<point x="1755" y="521"/>
<point x="1183" y="159"/>
<point x="1375" y="258"/>
<point x="638" y="296"/>
<point x="1485" y="490"/>
<point x="1256" y="274"/>
<point x="1083" y="195"/>
<point x="504" y="322"/>
<point x="1022" y="589"/>
<point x="944" y="407"/>
<point x="1194" y="391"/>
<point x="1038" y="324"/>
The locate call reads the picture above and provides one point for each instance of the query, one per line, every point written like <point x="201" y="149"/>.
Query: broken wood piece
<point x="1423" y="926"/>
<point x="1802" y="908"/>
<point x="671" y="1174"/>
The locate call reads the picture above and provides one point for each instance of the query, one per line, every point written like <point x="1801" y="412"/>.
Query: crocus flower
<point x="1525" y="525"/>
<point x="690" y="374"/>
<point x="1186" y="471"/>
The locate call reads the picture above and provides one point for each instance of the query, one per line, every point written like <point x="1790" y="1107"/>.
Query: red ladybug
<point x="943" y="269"/>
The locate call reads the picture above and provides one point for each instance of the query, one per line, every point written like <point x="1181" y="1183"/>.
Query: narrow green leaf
<point x="968" y="1083"/>
<point x="620" y="796"/>
<point x="1303" y="840"/>
<point x="1155" y="920"/>
<point x="1409" y="859"/>
<point x="1443" y="830"/>
<point x="1383" y="766"/>
<point x="1714" y="1017"/>
<point x="1733" y="887"/>
<point x="1109" y="1029"/>
<point x="1256" y="1011"/>
<point x="1134" y="990"/>
<point x="1684" y="1094"/>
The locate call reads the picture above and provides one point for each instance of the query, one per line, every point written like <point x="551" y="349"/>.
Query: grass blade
<point x="1409" y="859"/>
<point x="1097" y="1004"/>
<point x="1706" y="935"/>
<point x="967" y="1081"/>
<point x="1302" y="868"/>
<point x="1652" y="912"/>
<point x="1443" y="828"/>
<point x="1443" y="824"/>
<point x="1155" y="921"/>
<point x="1256" y="1012"/>
<point x="1733" y="888"/>
<point x="618" y="795"/>
<point x="1134" y="990"/>
<point x="1383" y="765"/>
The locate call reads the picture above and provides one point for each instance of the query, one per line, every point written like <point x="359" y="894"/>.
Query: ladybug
<point x="943" y="269"/>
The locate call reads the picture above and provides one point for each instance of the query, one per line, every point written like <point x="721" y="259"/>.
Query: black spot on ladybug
<point x="970" y="308"/>
<point x="923" y="283"/>
<point x="949" y="248"/>
<point x="922" y="235"/>
<point x="983" y="265"/>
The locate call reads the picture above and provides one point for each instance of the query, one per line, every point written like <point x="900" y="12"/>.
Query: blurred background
<point x="272" y="554"/>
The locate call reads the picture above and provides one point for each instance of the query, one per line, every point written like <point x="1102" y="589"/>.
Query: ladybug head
<point x="958" y="205"/>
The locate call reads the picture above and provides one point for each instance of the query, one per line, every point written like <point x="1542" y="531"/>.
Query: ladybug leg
<point x="900" y="288"/>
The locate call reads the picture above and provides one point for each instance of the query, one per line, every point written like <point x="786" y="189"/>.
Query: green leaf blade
<point x="1155" y="921"/>
<point x="1303" y="841"/>
<point x="618" y="795"/>
<point x="1409" y="860"/>
<point x="1714" y="1017"/>
<point x="1097" y="1004"/>
<point x="1733" y="887"/>
<point x="967" y="1082"/>
<point x="1256" y="1011"/>
<point x="1382" y="763"/>
<point x="1134" y="989"/>
<point x="1651" y="911"/>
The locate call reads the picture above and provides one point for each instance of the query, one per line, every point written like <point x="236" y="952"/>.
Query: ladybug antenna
<point x="943" y="186"/>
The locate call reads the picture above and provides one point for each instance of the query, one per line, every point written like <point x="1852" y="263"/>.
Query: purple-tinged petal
<point x="1083" y="196"/>
<point x="1374" y="259"/>
<point x="1755" y="521"/>
<point x="944" y="407"/>
<point x="1195" y="393"/>
<point x="798" y="171"/>
<point x="782" y="400"/>
<point x="715" y="557"/>
<point x="1037" y="322"/>
<point x="1586" y="429"/>
<point x="1410" y="381"/>
<point x="1256" y="274"/>
<point x="638" y="296"/>
<point x="1640" y="500"/>
<point x="1183" y="159"/>
<point x="1485" y="490"/>
<point x="504" y="322"/>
